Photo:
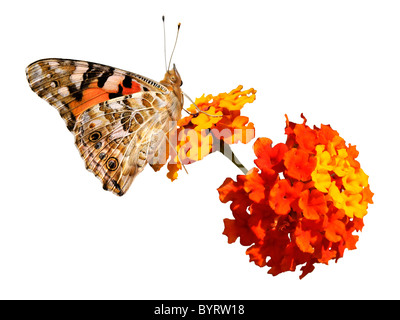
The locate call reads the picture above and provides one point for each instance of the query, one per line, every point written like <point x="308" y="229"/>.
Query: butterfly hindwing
<point x="72" y="86"/>
<point x="116" y="138"/>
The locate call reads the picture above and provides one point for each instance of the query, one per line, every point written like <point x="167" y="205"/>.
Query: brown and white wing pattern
<point x="120" y="119"/>
<point x="72" y="86"/>
<point x="116" y="138"/>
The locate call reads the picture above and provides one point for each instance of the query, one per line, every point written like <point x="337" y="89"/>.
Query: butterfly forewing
<point x="72" y="86"/>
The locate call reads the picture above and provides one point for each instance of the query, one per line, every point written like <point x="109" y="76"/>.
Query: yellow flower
<point x="355" y="181"/>
<point x="324" y="159"/>
<point x="342" y="165"/>
<point x="220" y="119"/>
<point x="325" y="163"/>
<point x="322" y="180"/>
<point x="352" y="204"/>
<point x="338" y="197"/>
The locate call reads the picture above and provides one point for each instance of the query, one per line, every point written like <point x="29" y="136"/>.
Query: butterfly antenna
<point x="176" y="40"/>
<point x="165" y="45"/>
<point x="198" y="109"/>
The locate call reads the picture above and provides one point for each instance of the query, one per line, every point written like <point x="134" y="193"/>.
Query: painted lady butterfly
<point x="120" y="119"/>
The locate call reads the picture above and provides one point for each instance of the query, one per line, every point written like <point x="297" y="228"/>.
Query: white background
<point x="63" y="237"/>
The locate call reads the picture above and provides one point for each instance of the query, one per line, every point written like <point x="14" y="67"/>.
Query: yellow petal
<point x="355" y="181"/>
<point x="322" y="180"/>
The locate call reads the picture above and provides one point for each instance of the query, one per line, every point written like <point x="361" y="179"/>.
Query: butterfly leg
<point x="198" y="109"/>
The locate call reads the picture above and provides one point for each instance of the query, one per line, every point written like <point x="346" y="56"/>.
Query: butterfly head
<point x="172" y="80"/>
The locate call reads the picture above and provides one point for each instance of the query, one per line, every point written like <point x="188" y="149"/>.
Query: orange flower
<point x="198" y="134"/>
<point x="300" y="164"/>
<point x="303" y="203"/>
<point x="282" y="196"/>
<point x="269" y="159"/>
<point x="254" y="186"/>
<point x="313" y="204"/>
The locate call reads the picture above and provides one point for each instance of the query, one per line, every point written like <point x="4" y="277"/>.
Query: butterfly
<point x="120" y="119"/>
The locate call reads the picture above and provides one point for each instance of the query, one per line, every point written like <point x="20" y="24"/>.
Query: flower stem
<point x="226" y="150"/>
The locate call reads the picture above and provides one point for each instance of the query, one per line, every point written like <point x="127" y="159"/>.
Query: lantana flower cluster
<point x="302" y="204"/>
<point x="198" y="134"/>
